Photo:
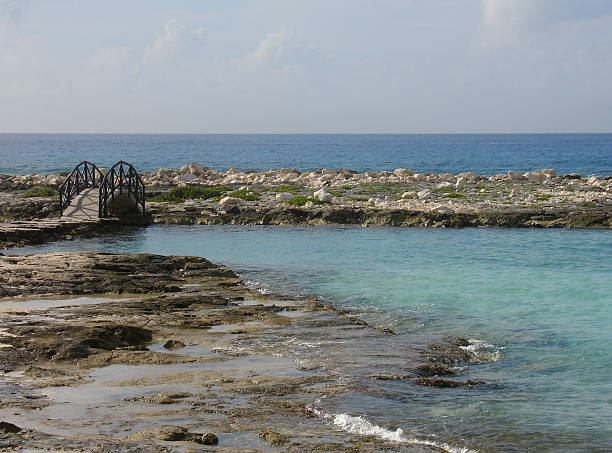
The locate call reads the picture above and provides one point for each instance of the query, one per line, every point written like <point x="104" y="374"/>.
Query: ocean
<point x="536" y="305"/>
<point x="485" y="154"/>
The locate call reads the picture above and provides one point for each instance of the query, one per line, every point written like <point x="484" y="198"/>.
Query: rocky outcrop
<point x="98" y="272"/>
<point x="373" y="216"/>
<point x="40" y="231"/>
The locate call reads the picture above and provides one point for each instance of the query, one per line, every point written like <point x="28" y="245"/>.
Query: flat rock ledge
<point x="20" y="233"/>
<point x="192" y="213"/>
<point x="177" y="353"/>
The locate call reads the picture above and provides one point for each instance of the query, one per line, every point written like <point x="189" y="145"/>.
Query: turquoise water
<point x="542" y="300"/>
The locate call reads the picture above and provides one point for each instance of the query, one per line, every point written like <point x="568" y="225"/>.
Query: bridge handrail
<point x="118" y="178"/>
<point x="84" y="175"/>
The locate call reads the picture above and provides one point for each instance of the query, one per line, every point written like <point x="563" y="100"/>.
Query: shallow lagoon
<point x="538" y="300"/>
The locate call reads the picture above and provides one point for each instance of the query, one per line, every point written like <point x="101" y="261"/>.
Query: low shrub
<point x="246" y="195"/>
<point x="454" y="195"/>
<point x="285" y="188"/>
<point x="180" y="194"/>
<point x="41" y="191"/>
<point x="301" y="200"/>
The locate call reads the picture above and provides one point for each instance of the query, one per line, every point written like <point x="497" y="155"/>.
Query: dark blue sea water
<point x="486" y="154"/>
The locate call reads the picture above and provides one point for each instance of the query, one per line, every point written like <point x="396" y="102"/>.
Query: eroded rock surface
<point x="190" y="357"/>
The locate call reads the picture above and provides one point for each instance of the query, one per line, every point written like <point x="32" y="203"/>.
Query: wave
<point x="359" y="425"/>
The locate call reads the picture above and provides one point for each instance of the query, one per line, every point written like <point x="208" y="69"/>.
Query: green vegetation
<point x="285" y="188"/>
<point x="180" y="194"/>
<point x="544" y="197"/>
<point x="569" y="189"/>
<point x="454" y="195"/>
<point x="301" y="200"/>
<point x="41" y="191"/>
<point x="443" y="190"/>
<point x="246" y="195"/>
<point x="358" y="198"/>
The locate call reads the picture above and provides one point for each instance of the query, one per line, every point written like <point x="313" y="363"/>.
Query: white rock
<point x="185" y="178"/>
<point x="470" y="175"/>
<point x="407" y="195"/>
<point x="309" y="205"/>
<point x="515" y="175"/>
<point x="284" y="196"/>
<point x="232" y="171"/>
<point x="424" y="194"/>
<point x="445" y="185"/>
<point x="460" y="184"/>
<point x="592" y="180"/>
<point x="229" y="200"/>
<point x="535" y="176"/>
<point x="195" y="169"/>
<point x="419" y="177"/>
<point x="323" y="195"/>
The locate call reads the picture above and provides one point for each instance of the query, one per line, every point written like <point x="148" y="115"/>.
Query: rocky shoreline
<point x="197" y="195"/>
<point x="170" y="353"/>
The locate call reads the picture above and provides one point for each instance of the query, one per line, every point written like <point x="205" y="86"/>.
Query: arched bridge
<point x="87" y="193"/>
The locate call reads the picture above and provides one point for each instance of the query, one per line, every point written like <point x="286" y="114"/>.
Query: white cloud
<point x="511" y="22"/>
<point x="13" y="9"/>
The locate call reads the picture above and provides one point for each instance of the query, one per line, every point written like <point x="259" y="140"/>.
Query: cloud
<point x="13" y="9"/>
<point x="510" y="22"/>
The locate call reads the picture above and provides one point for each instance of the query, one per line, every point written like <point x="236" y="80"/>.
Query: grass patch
<point x="443" y="190"/>
<point x="246" y="195"/>
<point x="301" y="200"/>
<point x="454" y="195"/>
<point x="347" y="187"/>
<point x="544" y="197"/>
<point x="41" y="191"/>
<point x="285" y="188"/>
<point x="358" y="199"/>
<point x="569" y="189"/>
<point x="180" y="194"/>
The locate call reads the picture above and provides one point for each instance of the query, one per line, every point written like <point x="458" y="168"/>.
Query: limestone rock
<point x="229" y="200"/>
<point x="460" y="184"/>
<point x="323" y="196"/>
<point x="424" y="194"/>
<point x="284" y="196"/>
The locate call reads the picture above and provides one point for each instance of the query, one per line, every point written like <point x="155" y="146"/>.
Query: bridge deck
<point x="84" y="206"/>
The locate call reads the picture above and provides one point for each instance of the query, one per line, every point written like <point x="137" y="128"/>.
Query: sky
<point x="305" y="66"/>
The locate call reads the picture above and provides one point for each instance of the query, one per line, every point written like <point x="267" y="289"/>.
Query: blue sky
<point x="267" y="66"/>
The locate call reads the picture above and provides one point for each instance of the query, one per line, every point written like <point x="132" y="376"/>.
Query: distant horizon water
<point x="485" y="154"/>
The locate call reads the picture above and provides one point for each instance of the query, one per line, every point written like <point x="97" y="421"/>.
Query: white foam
<point x="363" y="427"/>
<point x="481" y="351"/>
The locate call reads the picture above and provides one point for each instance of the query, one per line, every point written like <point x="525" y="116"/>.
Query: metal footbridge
<point x="89" y="194"/>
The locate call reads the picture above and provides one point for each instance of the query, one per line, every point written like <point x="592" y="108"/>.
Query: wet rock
<point x="273" y="438"/>
<point x="9" y="428"/>
<point x="446" y="383"/>
<point x="174" y="344"/>
<point x="175" y="434"/>
<point x="209" y="439"/>
<point x="435" y="369"/>
<point x="117" y="336"/>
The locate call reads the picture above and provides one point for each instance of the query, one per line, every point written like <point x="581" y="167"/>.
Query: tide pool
<point x="538" y="302"/>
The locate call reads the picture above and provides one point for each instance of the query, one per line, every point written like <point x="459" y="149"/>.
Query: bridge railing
<point x="84" y="175"/>
<point x="121" y="178"/>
